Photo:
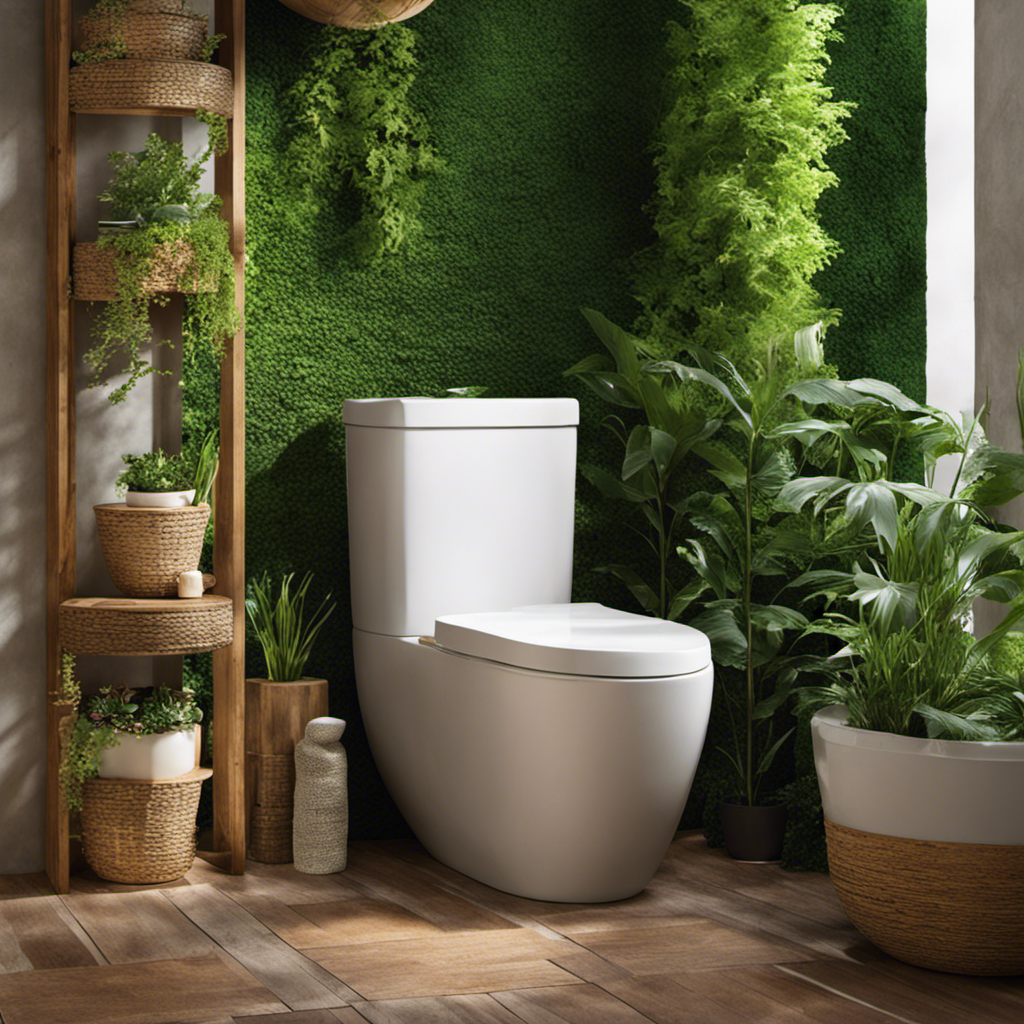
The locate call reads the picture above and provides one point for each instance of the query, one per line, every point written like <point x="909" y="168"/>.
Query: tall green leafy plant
<point x="740" y="162"/>
<point x="279" y="623"/>
<point x="356" y="129"/>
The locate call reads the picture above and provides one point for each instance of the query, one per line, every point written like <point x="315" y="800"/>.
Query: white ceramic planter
<point x="159" y="499"/>
<point x="926" y="843"/>
<point x="163" y="755"/>
<point x="938" y="790"/>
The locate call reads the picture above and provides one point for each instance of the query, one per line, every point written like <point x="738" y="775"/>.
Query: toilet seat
<point x="577" y="639"/>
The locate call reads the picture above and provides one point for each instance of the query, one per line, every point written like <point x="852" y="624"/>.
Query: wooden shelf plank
<point x="146" y="625"/>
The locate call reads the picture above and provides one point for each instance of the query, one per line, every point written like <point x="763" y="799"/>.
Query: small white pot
<point x="952" y="791"/>
<point x="159" y="499"/>
<point x="162" y="755"/>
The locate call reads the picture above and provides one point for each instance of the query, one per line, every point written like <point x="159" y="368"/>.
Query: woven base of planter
<point x="270" y="832"/>
<point x="358" y="13"/>
<point x="146" y="548"/>
<point x="150" y="86"/>
<point x="147" y="33"/>
<point x="145" y="626"/>
<point x="141" y="833"/>
<point x="94" y="272"/>
<point x="956" y="907"/>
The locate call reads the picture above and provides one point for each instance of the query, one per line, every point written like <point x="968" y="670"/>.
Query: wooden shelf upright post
<point x="229" y="544"/>
<point x="229" y="539"/>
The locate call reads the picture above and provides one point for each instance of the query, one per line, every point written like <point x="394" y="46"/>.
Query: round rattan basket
<point x="147" y="33"/>
<point x="155" y="86"/>
<point x="138" y="832"/>
<point x="956" y="907"/>
<point x="147" y="626"/>
<point x="147" y="548"/>
<point x="171" y="269"/>
<point x="358" y="13"/>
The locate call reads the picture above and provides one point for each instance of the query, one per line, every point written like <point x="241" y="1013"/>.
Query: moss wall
<point x="543" y="114"/>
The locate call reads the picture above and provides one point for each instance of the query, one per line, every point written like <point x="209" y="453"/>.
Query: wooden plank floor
<point x="401" y="939"/>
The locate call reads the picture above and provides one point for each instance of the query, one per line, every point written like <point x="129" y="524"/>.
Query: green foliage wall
<point x="543" y="115"/>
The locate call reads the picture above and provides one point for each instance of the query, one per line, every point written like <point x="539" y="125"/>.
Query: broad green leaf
<point x="618" y="343"/>
<point x="886" y="600"/>
<point x="596" y="362"/>
<point x="612" y="387"/>
<point x="770" y="476"/>
<point x="951" y="726"/>
<point x="769" y="705"/>
<point x="711" y="568"/>
<point x="769" y="755"/>
<point x="822" y="391"/>
<point x="776" y="616"/>
<point x="874" y="503"/>
<point x="886" y="393"/>
<point x="798" y="492"/>
<point x="692" y="373"/>
<point x="998" y="475"/>
<point x="663" y="447"/>
<point x="731" y="471"/>
<point x="810" y="353"/>
<point x="684" y="598"/>
<point x="728" y="642"/>
<point x="644" y="594"/>
<point x="638" y="452"/>
<point x="610" y="486"/>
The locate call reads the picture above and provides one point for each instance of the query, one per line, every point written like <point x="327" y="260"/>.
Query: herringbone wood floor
<point x="400" y="939"/>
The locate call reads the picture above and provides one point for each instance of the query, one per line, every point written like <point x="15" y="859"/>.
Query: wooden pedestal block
<point x="275" y="720"/>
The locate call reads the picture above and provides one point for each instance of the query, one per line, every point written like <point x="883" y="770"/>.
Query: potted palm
<point x="745" y="545"/>
<point x="277" y="709"/>
<point x="157" y="533"/>
<point x="918" y="743"/>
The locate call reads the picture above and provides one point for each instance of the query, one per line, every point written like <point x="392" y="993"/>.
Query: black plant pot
<point x="753" y="833"/>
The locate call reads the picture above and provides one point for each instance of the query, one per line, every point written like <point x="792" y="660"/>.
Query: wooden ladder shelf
<point x="223" y="610"/>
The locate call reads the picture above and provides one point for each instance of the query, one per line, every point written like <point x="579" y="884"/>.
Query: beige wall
<point x="151" y="416"/>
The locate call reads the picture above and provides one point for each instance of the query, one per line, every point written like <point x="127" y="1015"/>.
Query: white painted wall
<point x="949" y="153"/>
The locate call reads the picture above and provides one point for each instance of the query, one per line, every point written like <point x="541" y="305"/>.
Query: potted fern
<point x="278" y="707"/>
<point x="178" y="244"/>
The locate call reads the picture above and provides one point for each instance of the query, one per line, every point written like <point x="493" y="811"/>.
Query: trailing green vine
<point x="355" y="129"/>
<point x="740" y="165"/>
<point x="158" y="189"/>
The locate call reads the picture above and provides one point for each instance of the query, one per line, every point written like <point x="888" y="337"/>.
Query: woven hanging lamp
<point x="358" y="13"/>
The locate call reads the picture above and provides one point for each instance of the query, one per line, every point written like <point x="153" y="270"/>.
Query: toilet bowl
<point x="542" y="747"/>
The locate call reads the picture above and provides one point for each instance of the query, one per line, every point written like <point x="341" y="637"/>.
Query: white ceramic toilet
<point x="544" y="748"/>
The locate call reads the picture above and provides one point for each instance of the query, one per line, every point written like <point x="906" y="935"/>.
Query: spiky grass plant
<point x="285" y="638"/>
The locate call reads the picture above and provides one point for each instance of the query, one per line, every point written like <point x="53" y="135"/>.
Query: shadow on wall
<point x="317" y="519"/>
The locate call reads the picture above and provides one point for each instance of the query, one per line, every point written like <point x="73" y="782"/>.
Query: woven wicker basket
<point x="94" y="273"/>
<point x="177" y="86"/>
<point x="955" y="907"/>
<point x="358" y="13"/>
<point x="119" y="625"/>
<point x="146" y="548"/>
<point x="147" y="33"/>
<point x="141" y="833"/>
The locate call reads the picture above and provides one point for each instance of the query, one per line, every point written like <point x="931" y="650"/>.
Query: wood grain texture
<point x="468" y="1009"/>
<point x="570" y="1004"/>
<point x="688" y="944"/>
<point x="277" y="881"/>
<point x="276" y="713"/>
<point x="300" y="983"/>
<point x="138" y="926"/>
<point x="151" y="993"/>
<point x="229" y="539"/>
<point x="452" y="964"/>
<point x="43" y="936"/>
<point x="60" y="404"/>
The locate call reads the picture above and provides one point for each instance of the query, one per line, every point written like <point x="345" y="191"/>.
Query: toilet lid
<point x="577" y="639"/>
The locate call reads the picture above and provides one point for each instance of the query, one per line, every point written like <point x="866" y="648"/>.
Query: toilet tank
<point x="458" y="505"/>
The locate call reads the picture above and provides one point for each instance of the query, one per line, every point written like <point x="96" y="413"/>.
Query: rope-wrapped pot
<point x="147" y="548"/>
<point x="145" y="626"/>
<point x="138" y="832"/>
<point x="946" y="906"/>
<point x="171" y="269"/>
<point x="156" y="86"/>
<point x="147" y="32"/>
<point x="357" y="13"/>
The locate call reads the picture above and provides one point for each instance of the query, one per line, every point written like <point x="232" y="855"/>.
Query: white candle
<point x="190" y="583"/>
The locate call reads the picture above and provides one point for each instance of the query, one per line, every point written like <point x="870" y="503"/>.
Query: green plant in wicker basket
<point x="156" y="471"/>
<point x="286" y="640"/>
<point x="158" y="188"/>
<point x="110" y="15"/>
<point x="113" y="712"/>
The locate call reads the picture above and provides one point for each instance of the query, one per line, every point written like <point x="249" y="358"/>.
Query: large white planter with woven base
<point x="926" y="843"/>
